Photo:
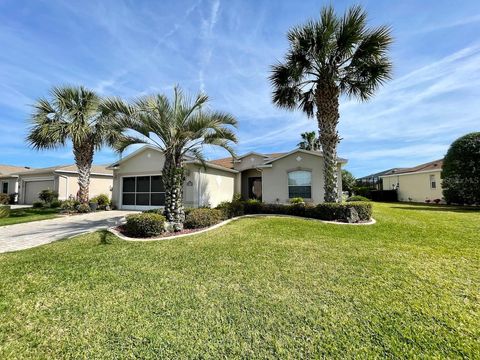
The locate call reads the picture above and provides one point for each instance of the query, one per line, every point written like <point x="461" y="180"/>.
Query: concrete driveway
<point x="36" y="233"/>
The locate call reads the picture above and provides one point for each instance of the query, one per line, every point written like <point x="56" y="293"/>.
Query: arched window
<point x="300" y="184"/>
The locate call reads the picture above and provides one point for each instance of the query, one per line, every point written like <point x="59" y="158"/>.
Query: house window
<point x="143" y="191"/>
<point x="5" y="187"/>
<point x="300" y="184"/>
<point x="433" y="183"/>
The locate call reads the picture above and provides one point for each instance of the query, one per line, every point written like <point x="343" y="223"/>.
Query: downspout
<point x="199" y="182"/>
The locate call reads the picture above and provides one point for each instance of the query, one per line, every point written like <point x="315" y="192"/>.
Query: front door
<point x="255" y="188"/>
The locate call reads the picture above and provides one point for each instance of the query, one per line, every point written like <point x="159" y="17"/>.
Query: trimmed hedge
<point x="203" y="217"/>
<point x="145" y="225"/>
<point x="357" y="198"/>
<point x="344" y="212"/>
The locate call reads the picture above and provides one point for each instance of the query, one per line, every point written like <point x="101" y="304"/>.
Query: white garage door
<point x="33" y="188"/>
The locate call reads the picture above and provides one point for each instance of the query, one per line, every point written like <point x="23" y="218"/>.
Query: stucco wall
<point x="249" y="162"/>
<point x="68" y="186"/>
<point x="201" y="186"/>
<point x="12" y="185"/>
<point x="415" y="186"/>
<point x="275" y="179"/>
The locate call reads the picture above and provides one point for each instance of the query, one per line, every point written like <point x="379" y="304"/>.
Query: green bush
<point x="461" y="171"/>
<point x="47" y="196"/>
<point x="230" y="209"/>
<point x="37" y="205"/>
<point x="357" y="198"/>
<point x="69" y="205"/>
<point x="362" y="191"/>
<point x="4" y="211"/>
<point x="297" y="200"/>
<point x="83" y="208"/>
<point x="102" y="200"/>
<point x="144" y="225"/>
<point x="202" y="217"/>
<point x="158" y="211"/>
<point x="55" y="204"/>
<point x="252" y="206"/>
<point x="341" y="212"/>
<point x="4" y="199"/>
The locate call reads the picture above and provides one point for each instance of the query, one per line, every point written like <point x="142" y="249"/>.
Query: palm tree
<point x="309" y="141"/>
<point x="180" y="128"/>
<point x="71" y="114"/>
<point x="327" y="58"/>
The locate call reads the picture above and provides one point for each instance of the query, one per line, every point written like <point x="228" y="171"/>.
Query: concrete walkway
<point x="36" y="233"/>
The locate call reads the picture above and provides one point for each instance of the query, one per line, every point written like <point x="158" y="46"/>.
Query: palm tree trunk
<point x="83" y="159"/>
<point x="327" y="102"/>
<point x="173" y="178"/>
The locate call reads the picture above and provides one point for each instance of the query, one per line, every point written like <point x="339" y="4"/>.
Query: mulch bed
<point x="122" y="230"/>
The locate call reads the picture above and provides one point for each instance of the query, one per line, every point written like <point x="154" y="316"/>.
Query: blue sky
<point x="225" y="48"/>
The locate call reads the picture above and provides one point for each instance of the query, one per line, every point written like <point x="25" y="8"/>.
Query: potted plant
<point x="93" y="204"/>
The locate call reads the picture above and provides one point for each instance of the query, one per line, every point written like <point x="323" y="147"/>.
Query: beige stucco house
<point x="418" y="184"/>
<point x="62" y="179"/>
<point x="9" y="179"/>
<point x="273" y="178"/>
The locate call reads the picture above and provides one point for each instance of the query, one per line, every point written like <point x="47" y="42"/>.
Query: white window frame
<point x="433" y="181"/>
<point x="288" y="185"/>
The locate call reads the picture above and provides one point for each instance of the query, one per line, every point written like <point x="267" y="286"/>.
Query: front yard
<point x="264" y="287"/>
<point x="18" y="216"/>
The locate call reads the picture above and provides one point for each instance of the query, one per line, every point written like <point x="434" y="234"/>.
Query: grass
<point x="18" y="216"/>
<point x="408" y="286"/>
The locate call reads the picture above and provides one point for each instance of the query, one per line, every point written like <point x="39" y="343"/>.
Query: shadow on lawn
<point x="435" y="207"/>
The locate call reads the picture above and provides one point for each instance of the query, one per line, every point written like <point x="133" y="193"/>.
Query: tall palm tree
<point x="327" y="58"/>
<point x="309" y="141"/>
<point x="180" y="128"/>
<point x="71" y="114"/>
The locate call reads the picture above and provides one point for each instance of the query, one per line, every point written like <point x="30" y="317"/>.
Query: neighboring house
<point x="418" y="184"/>
<point x="62" y="179"/>
<point x="272" y="178"/>
<point x="8" y="179"/>
<point x="374" y="181"/>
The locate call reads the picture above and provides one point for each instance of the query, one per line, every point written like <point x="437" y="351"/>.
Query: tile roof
<point x="10" y="169"/>
<point x="97" y="169"/>
<point x="228" y="161"/>
<point x="432" y="165"/>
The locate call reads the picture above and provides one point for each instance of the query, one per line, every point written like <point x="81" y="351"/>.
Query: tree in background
<point x="329" y="57"/>
<point x="461" y="171"/>
<point x="178" y="127"/>
<point x="72" y="114"/>
<point x="348" y="181"/>
<point x="309" y="141"/>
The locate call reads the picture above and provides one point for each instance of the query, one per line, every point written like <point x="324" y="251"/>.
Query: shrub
<point x="202" y="217"/>
<point x="297" y="200"/>
<point x="4" y="211"/>
<point x="154" y="211"/>
<point x="357" y="198"/>
<point x="69" y="205"/>
<point x="12" y="198"/>
<point x="362" y="191"/>
<point x="102" y="200"/>
<point x="231" y="209"/>
<point x="37" y="205"/>
<point x="341" y="212"/>
<point x="145" y="225"/>
<point x="55" y="204"/>
<point x="47" y="196"/>
<point x="83" y="208"/>
<point x="4" y="199"/>
<point x="252" y="206"/>
<point x="461" y="171"/>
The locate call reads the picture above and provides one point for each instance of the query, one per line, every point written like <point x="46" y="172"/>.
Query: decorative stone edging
<point x="114" y="231"/>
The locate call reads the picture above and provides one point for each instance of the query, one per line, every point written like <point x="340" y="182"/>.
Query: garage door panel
<point x="33" y="189"/>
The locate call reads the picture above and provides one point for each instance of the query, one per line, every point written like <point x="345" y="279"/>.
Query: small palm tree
<point x="309" y="141"/>
<point x="328" y="58"/>
<point x="179" y="128"/>
<point x="71" y="114"/>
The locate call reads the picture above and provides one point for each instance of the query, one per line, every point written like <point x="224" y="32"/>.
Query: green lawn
<point x="19" y="216"/>
<point x="265" y="288"/>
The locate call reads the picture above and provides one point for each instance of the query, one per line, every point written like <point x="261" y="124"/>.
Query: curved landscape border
<point x="114" y="231"/>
